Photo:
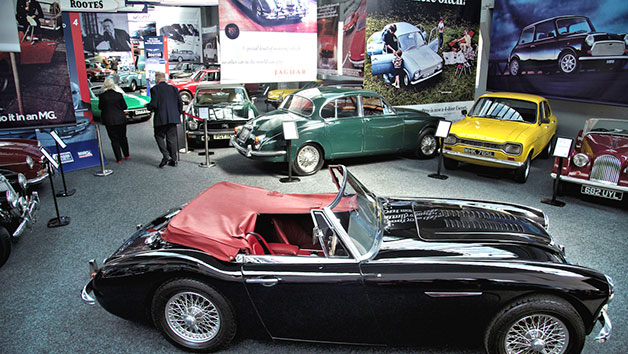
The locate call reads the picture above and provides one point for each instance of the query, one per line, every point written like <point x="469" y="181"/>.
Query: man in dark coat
<point x="113" y="39"/>
<point x="167" y="107"/>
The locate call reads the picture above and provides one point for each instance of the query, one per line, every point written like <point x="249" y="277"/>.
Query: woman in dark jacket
<point x="112" y="108"/>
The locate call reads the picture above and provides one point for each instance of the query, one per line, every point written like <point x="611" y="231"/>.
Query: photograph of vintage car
<point x="366" y="269"/>
<point x="184" y="55"/>
<point x="187" y="86"/>
<point x="504" y="130"/>
<point x="598" y="164"/>
<point x="96" y="72"/>
<point x="23" y="156"/>
<point x="185" y="69"/>
<point x="18" y="210"/>
<point x="567" y="44"/>
<point x="337" y="123"/>
<point x="273" y="12"/>
<point x="224" y="106"/>
<point x="136" y="107"/>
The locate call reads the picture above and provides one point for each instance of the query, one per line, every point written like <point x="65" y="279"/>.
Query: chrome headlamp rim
<point x="580" y="159"/>
<point x="29" y="162"/>
<point x="518" y="148"/>
<point x="451" y="139"/>
<point x="589" y="40"/>
<point x="11" y="198"/>
<point x="21" y="179"/>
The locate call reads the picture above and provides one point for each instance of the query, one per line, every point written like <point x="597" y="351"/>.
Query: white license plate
<point x="601" y="192"/>
<point x="222" y="136"/>
<point x="610" y="61"/>
<point x="143" y="111"/>
<point x="477" y="152"/>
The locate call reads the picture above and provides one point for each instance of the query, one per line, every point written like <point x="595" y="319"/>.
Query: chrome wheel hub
<point x="428" y="145"/>
<point x="308" y="159"/>
<point x="568" y="63"/>
<point x="192" y="317"/>
<point x="537" y="334"/>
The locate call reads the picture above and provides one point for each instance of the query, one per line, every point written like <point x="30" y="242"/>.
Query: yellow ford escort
<point x="504" y="130"/>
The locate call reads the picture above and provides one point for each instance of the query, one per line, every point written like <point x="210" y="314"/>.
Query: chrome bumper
<point x="85" y="294"/>
<point x="591" y="183"/>
<point x="29" y="215"/>
<point x="607" y="326"/>
<point x="249" y="152"/>
<point x="606" y="57"/>
<point x="427" y="77"/>
<point x="38" y="179"/>
<point x="508" y="163"/>
<point x="211" y="132"/>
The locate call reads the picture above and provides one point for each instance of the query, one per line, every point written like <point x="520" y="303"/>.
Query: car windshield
<point x="505" y="109"/>
<point x="362" y="220"/>
<point x="410" y="40"/>
<point x="298" y="104"/>
<point x="606" y="126"/>
<point x="573" y="25"/>
<point x="198" y="75"/>
<point x="217" y="96"/>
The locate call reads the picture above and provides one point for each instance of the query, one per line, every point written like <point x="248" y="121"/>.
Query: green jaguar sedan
<point x="336" y="123"/>
<point x="136" y="107"/>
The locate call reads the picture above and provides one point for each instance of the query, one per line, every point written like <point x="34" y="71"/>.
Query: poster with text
<point x="37" y="94"/>
<point x="566" y="49"/>
<point x="182" y="26"/>
<point x="423" y="54"/>
<point x="263" y="42"/>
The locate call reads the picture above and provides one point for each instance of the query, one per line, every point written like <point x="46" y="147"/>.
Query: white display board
<point x="442" y="131"/>
<point x="50" y="159"/>
<point x="290" y="131"/>
<point x="563" y="147"/>
<point x="203" y="112"/>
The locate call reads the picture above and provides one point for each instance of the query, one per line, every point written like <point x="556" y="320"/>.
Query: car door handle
<point x="264" y="281"/>
<point x="367" y="119"/>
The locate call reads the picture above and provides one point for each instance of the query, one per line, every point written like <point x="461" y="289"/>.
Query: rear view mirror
<point x="464" y="112"/>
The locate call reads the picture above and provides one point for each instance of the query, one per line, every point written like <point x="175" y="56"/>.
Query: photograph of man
<point x="29" y="13"/>
<point x="390" y="39"/>
<point x="167" y="107"/>
<point x="113" y="39"/>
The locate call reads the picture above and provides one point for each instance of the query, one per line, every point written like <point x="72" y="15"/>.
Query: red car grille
<point x="606" y="169"/>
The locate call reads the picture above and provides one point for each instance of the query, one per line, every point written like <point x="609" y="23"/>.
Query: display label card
<point x="59" y="141"/>
<point x="290" y="131"/>
<point x="442" y="131"/>
<point x="203" y="112"/>
<point x="563" y="146"/>
<point x="50" y="159"/>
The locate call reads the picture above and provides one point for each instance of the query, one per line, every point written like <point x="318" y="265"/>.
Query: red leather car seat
<point x="259" y="246"/>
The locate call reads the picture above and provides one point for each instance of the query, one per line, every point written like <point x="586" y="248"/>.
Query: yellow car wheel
<point x="522" y="172"/>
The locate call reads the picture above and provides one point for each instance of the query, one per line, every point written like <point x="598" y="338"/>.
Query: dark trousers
<point x="168" y="148"/>
<point x="117" y="135"/>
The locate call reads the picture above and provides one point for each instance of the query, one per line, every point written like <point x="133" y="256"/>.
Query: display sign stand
<point x="442" y="131"/>
<point x="102" y="172"/>
<point x="562" y="150"/>
<point x="208" y="163"/>
<point x="61" y="144"/>
<point x="59" y="220"/>
<point x="290" y="133"/>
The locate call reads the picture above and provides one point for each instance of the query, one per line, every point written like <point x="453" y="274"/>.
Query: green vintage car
<point x="136" y="107"/>
<point x="336" y="123"/>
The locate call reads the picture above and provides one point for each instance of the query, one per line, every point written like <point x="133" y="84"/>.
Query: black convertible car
<point x="352" y="267"/>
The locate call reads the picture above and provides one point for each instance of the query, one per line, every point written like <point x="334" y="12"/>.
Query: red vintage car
<point x="599" y="161"/>
<point x="95" y="72"/>
<point x="188" y="86"/>
<point x="23" y="156"/>
<point x="351" y="21"/>
<point x="358" y="44"/>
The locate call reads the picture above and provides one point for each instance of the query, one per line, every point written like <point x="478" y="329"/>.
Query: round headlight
<point x="589" y="40"/>
<point x="11" y="198"/>
<point x="192" y="124"/>
<point x="29" y="162"/>
<point x="21" y="179"/>
<point x="450" y="140"/>
<point x="580" y="160"/>
<point x="417" y="74"/>
<point x="512" y="149"/>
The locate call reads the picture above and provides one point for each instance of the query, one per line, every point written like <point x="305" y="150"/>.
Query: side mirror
<point x="464" y="112"/>
<point x="254" y="99"/>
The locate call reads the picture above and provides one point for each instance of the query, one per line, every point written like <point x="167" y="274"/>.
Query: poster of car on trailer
<point x="423" y="54"/>
<point x="568" y="49"/>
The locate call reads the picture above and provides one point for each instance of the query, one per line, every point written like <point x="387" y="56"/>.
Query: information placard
<point x="203" y="112"/>
<point x="442" y="131"/>
<point x="290" y="131"/>
<point x="563" y="147"/>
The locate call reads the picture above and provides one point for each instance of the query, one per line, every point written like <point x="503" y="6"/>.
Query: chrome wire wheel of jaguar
<point x="539" y="333"/>
<point x="192" y="317"/>
<point x="309" y="160"/>
<point x="427" y="144"/>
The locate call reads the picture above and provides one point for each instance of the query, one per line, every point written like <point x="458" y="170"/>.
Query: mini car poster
<point x="181" y="26"/>
<point x="38" y="93"/>
<point x="436" y="68"/>
<point x="267" y="43"/>
<point x="565" y="49"/>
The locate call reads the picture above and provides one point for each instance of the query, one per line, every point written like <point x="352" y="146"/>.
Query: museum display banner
<point x="438" y="43"/>
<point x="567" y="49"/>
<point x="261" y="45"/>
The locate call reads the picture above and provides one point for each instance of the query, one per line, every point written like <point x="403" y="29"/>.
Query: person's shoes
<point x="163" y="163"/>
<point x="119" y="161"/>
<point x="127" y="157"/>
<point x="173" y="163"/>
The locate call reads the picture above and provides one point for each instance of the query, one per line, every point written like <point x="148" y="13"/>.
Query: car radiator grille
<point x="608" y="48"/>
<point x="606" y="169"/>
<point x="481" y="144"/>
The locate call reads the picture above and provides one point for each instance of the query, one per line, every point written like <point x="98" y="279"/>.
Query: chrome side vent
<point x="606" y="169"/>
<point x="484" y="225"/>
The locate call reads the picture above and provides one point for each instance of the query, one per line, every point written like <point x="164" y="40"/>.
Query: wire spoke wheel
<point x="538" y="333"/>
<point x="428" y="145"/>
<point x="193" y="317"/>
<point x="308" y="160"/>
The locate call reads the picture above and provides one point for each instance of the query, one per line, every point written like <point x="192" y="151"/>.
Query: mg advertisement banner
<point x="566" y="49"/>
<point x="258" y="45"/>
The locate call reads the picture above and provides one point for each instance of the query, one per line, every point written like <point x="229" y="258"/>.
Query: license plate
<point x="244" y="134"/>
<point x="610" y="61"/>
<point x="142" y="111"/>
<point x="222" y="136"/>
<point x="601" y="192"/>
<point x="477" y="152"/>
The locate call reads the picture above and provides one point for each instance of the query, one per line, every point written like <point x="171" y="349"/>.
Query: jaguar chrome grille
<point x="606" y="169"/>
<point x="608" y="48"/>
<point x="481" y="144"/>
